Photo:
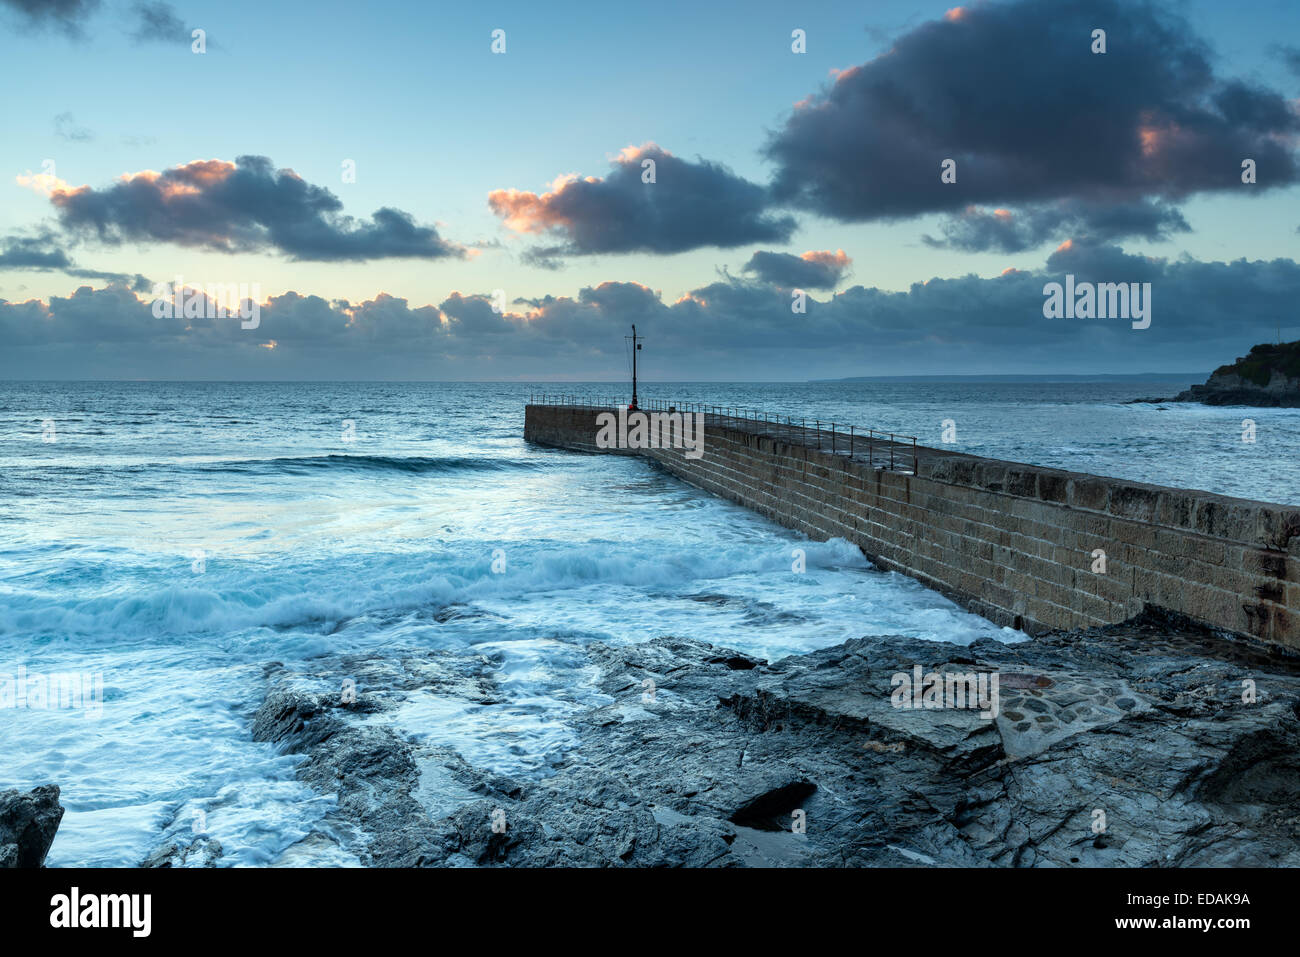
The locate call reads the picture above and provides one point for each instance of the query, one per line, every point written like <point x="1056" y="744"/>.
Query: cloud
<point x="473" y="316"/>
<point x="66" y="128"/>
<point x="976" y="229"/>
<point x="1092" y="261"/>
<point x="132" y="281"/>
<point x="40" y="254"/>
<point x="729" y="329"/>
<point x="815" y="269"/>
<point x="247" y="205"/>
<point x="31" y="252"/>
<point x="65" y="15"/>
<point x="1290" y="55"/>
<point x="689" y="205"/>
<point x="158" y="23"/>
<point x="1012" y="92"/>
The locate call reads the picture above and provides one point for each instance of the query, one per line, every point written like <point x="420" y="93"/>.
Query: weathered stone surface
<point x="1129" y="745"/>
<point x="28" y="822"/>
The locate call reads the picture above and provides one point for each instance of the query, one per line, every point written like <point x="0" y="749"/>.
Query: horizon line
<point x="1024" y="376"/>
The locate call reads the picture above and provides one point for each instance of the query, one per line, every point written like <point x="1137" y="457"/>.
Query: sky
<point x="403" y="192"/>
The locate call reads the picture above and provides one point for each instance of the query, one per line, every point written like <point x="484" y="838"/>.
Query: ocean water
<point x="171" y="540"/>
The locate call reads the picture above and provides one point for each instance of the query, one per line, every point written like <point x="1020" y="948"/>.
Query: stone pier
<point x="1022" y="545"/>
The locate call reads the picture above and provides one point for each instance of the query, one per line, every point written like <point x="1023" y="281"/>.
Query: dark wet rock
<point x="772" y="810"/>
<point x="806" y="761"/>
<point x="370" y="769"/>
<point x="28" y="823"/>
<point x="202" y="851"/>
<point x="735" y="662"/>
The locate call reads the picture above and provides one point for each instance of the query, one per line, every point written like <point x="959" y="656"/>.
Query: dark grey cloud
<point x="1101" y="262"/>
<point x="1013" y="93"/>
<point x="815" y="269"/>
<point x="158" y="23"/>
<point x="68" y="16"/>
<point x="474" y="316"/>
<point x="32" y="252"/>
<point x="689" y="205"/>
<point x="547" y="257"/>
<point x="39" y="253"/>
<point x="136" y="282"/>
<point x="1200" y="312"/>
<point x="240" y="206"/>
<point x="976" y="229"/>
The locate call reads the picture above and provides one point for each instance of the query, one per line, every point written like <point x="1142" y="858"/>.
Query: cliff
<point x="1268" y="376"/>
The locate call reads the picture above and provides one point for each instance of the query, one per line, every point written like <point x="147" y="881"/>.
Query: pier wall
<point x="1015" y="543"/>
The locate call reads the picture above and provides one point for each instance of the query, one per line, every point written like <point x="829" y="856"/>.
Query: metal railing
<point x="897" y="452"/>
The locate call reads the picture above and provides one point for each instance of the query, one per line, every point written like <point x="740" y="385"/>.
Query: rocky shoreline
<point x="1268" y="377"/>
<point x="1150" y="743"/>
<point x="1154" y="742"/>
<point x="1231" y="390"/>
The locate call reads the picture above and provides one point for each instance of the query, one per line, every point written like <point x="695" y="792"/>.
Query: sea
<point x="165" y="542"/>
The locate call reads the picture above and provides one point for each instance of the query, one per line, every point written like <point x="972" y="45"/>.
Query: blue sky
<point x="435" y="122"/>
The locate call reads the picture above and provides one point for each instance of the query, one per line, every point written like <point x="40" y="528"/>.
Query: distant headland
<point x="1025" y="377"/>
<point x="1269" y="375"/>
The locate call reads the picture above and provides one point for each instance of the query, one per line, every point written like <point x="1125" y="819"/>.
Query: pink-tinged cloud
<point x="814" y="269"/>
<point x="651" y="201"/>
<point x="837" y="259"/>
<point x="235" y="207"/>
<point x="525" y="212"/>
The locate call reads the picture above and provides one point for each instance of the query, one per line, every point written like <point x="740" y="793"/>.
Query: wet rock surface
<point x="202" y="851"/>
<point x="28" y="822"/>
<point x="1150" y="743"/>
